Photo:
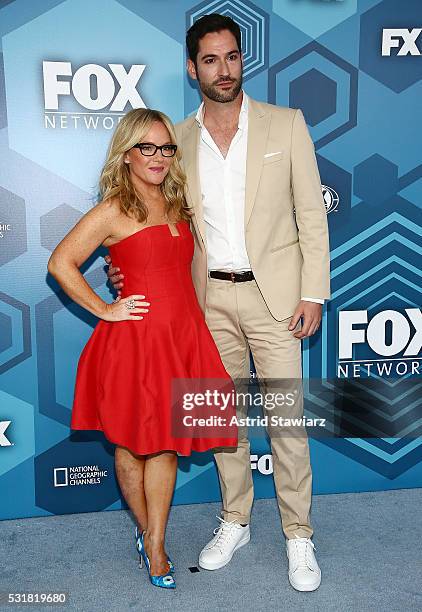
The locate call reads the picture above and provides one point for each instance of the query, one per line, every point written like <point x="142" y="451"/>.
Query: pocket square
<point x="271" y="154"/>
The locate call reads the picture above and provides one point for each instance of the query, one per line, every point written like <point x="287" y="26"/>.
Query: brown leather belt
<point x="235" y="277"/>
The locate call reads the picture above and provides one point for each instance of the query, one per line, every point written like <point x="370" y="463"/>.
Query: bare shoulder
<point x="107" y="211"/>
<point x="109" y="207"/>
<point x="90" y="231"/>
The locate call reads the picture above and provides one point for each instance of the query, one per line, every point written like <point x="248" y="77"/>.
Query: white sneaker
<point x="304" y="572"/>
<point x="228" y="538"/>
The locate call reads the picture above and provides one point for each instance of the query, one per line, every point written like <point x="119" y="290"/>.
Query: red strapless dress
<point x="126" y="369"/>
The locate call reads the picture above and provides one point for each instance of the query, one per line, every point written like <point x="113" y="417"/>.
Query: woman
<point x="153" y="333"/>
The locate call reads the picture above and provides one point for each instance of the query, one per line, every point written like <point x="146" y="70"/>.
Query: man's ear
<point x="190" y="67"/>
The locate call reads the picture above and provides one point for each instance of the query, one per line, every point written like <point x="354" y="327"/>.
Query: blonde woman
<point x="153" y="333"/>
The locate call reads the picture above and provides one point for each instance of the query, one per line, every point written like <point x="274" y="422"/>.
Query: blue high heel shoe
<point x="139" y="549"/>
<point x="165" y="581"/>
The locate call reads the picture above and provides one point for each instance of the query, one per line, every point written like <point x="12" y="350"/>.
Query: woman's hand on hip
<point x="126" y="309"/>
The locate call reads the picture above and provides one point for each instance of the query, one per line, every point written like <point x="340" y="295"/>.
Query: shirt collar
<point x="243" y="115"/>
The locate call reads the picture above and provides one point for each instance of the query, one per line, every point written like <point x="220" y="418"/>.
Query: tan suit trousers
<point x="239" y="320"/>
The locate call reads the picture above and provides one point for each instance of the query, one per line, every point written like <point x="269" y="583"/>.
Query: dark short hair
<point x="207" y="24"/>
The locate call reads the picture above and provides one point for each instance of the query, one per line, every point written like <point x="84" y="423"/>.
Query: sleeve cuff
<point x="317" y="300"/>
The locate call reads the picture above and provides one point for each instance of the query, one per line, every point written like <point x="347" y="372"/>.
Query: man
<point x="260" y="268"/>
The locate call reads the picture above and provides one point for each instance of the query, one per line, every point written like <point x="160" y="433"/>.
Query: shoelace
<point x="223" y="532"/>
<point x="301" y="552"/>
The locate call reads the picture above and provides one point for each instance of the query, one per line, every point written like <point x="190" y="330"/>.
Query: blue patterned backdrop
<point x="68" y="71"/>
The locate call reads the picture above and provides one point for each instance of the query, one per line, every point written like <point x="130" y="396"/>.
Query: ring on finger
<point x="130" y="304"/>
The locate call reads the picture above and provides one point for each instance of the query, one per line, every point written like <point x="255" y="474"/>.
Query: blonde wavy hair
<point x="115" y="181"/>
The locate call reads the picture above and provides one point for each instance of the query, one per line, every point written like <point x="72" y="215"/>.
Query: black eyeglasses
<point x="148" y="149"/>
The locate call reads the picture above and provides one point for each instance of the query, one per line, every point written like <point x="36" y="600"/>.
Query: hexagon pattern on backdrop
<point x="253" y="23"/>
<point x="392" y="72"/>
<point x="323" y="56"/>
<point x="326" y="88"/>
<point x="24" y="53"/>
<point x="56" y="223"/>
<point x="17" y="329"/>
<point x="12" y="226"/>
<point x="315" y="18"/>
<point x="5" y="332"/>
<point x="315" y="73"/>
<point x="19" y="434"/>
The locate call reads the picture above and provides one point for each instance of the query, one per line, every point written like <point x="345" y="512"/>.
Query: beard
<point x="217" y="95"/>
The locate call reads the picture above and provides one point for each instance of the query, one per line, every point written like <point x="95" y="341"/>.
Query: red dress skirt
<point x="127" y="370"/>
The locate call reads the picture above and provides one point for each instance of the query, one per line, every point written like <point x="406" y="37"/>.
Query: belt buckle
<point x="233" y="276"/>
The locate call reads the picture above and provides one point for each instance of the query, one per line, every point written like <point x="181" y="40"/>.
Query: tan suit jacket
<point x="288" y="252"/>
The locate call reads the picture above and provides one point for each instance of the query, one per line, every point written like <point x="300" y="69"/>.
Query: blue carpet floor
<point x="368" y="546"/>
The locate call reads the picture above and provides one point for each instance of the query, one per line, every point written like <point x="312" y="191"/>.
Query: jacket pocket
<point x="284" y="246"/>
<point x="271" y="159"/>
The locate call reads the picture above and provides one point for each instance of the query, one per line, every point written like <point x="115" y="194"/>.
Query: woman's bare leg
<point x="159" y="480"/>
<point x="130" y="475"/>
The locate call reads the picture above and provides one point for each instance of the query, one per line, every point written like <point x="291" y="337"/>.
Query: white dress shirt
<point x="223" y="183"/>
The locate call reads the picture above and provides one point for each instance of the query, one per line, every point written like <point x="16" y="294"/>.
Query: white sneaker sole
<point x="215" y="566"/>
<point x="306" y="587"/>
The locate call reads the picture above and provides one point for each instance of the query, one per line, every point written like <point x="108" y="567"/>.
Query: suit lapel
<point x="190" y="149"/>
<point x="258" y="127"/>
